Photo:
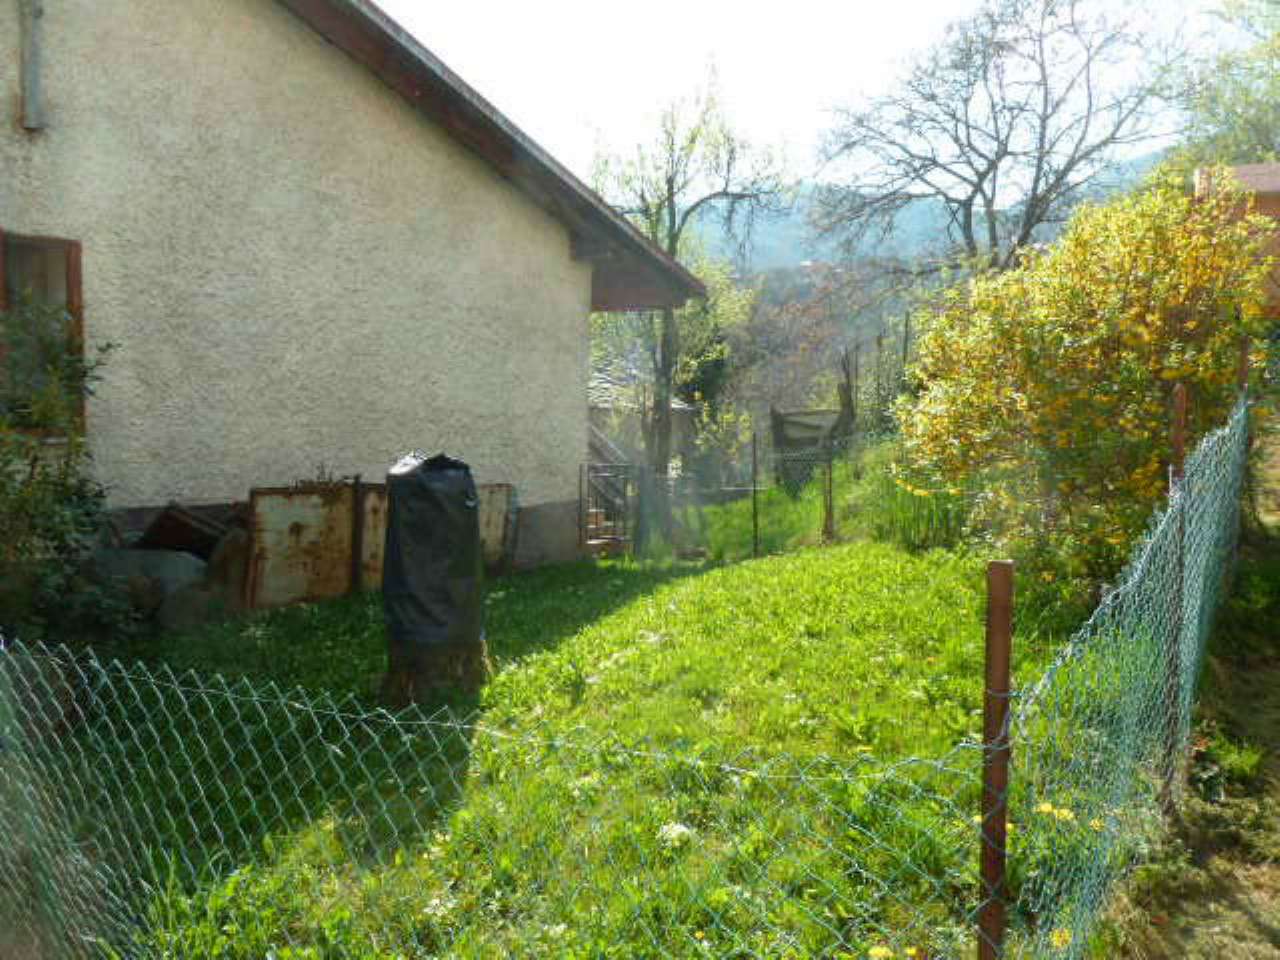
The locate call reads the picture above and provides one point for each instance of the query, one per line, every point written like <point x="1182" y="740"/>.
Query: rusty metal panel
<point x="375" y="535"/>
<point x="302" y="542"/>
<point x="304" y="538"/>
<point x="497" y="500"/>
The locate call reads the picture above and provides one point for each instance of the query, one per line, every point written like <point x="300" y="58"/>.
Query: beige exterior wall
<point x="297" y="268"/>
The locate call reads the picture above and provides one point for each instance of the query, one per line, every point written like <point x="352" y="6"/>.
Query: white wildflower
<point x="675" y="835"/>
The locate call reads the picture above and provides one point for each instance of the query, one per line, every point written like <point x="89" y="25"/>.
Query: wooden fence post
<point x="995" y="759"/>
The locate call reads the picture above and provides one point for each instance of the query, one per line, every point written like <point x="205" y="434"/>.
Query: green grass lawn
<point x="669" y="761"/>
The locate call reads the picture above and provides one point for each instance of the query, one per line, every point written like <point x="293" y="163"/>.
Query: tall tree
<point x="1232" y="100"/>
<point x="695" y="173"/>
<point x="1002" y="124"/>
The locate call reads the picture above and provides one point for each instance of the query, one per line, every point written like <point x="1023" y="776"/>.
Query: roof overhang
<point x="630" y="272"/>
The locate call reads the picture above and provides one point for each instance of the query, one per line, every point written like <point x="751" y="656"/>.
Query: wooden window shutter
<point x="75" y="292"/>
<point x="75" y="307"/>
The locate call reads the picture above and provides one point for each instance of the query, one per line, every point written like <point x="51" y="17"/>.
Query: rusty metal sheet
<point x="304" y="538"/>
<point x="497" y="502"/>
<point x="374" y="543"/>
<point x="497" y="525"/>
<point x="302" y="542"/>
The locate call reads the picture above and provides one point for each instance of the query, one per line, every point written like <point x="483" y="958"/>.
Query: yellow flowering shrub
<point x="1051" y="383"/>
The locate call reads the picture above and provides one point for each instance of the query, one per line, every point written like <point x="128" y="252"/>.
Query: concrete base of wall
<point x="548" y="533"/>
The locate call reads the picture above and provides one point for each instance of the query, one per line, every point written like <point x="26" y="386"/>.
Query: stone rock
<point x="171" y="569"/>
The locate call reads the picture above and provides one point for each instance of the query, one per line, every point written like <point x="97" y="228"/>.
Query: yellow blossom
<point x="1062" y="813"/>
<point x="880" y="953"/>
<point x="1096" y="824"/>
<point x="1044" y="808"/>
<point x="1060" y="938"/>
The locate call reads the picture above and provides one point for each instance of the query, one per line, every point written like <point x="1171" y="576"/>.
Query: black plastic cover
<point x="432" y="590"/>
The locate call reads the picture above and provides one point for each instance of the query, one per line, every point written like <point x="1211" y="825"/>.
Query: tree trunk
<point x="659" y="434"/>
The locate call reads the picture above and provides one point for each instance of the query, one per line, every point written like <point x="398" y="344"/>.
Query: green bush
<point x="52" y="511"/>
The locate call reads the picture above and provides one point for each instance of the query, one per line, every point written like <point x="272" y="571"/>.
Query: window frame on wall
<point x="74" y="286"/>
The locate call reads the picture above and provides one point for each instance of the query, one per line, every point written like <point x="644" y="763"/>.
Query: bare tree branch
<point x="1002" y="125"/>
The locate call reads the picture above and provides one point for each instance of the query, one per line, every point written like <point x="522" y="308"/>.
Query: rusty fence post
<point x="1177" y="601"/>
<point x="1242" y="369"/>
<point x="995" y="759"/>
<point x="755" y="497"/>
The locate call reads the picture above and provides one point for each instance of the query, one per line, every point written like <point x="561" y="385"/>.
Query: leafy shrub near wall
<point x="52" y="511"/>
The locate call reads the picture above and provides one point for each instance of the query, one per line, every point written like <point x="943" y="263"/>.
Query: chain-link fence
<point x="841" y="489"/>
<point x="154" y="814"/>
<point x="1098" y="743"/>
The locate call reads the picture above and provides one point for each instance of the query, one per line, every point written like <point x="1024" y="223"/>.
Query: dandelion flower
<point x="1060" y="938"/>
<point x="1096" y="824"/>
<point x="880" y="953"/>
<point x="674" y="835"/>
<point x="1045" y="808"/>
<point x="913" y="953"/>
<point x="1062" y="813"/>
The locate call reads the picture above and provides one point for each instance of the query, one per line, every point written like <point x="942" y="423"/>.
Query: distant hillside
<point x="788" y="240"/>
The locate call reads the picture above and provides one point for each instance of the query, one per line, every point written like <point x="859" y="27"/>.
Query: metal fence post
<point x="1173" y="642"/>
<point x="755" y="497"/>
<point x="995" y="759"/>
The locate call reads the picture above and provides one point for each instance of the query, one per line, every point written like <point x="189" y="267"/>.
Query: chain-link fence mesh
<point x="1098" y="742"/>
<point x="154" y="814"/>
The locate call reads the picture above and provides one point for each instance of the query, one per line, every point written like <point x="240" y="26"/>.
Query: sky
<point x="583" y="75"/>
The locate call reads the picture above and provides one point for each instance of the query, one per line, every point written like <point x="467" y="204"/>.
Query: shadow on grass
<point x="340" y="645"/>
<point x="161" y="788"/>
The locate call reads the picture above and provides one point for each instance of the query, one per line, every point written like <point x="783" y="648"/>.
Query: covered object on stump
<point x="432" y="581"/>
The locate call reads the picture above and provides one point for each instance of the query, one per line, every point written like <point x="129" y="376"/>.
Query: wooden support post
<point x="755" y="498"/>
<point x="995" y="759"/>
<point x="32" y="14"/>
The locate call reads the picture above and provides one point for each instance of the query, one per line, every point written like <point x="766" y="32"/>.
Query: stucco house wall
<point x="297" y="268"/>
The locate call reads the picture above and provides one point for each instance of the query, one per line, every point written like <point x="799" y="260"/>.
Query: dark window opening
<point x="41" y="351"/>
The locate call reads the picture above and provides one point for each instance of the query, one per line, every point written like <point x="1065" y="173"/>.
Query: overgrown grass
<point x="653" y="782"/>
<point x="871" y="503"/>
